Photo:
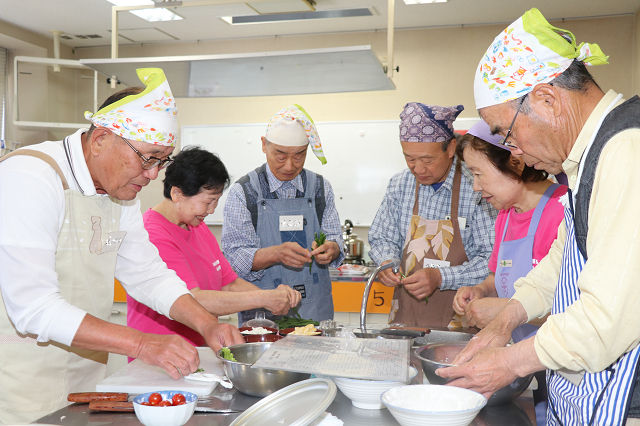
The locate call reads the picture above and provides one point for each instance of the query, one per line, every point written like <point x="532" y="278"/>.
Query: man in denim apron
<point x="533" y="88"/>
<point x="273" y="214"/>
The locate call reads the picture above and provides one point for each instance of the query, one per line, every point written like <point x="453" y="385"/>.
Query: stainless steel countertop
<point x="518" y="413"/>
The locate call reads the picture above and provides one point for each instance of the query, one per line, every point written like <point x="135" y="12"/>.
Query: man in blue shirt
<point x="273" y="213"/>
<point x="432" y="220"/>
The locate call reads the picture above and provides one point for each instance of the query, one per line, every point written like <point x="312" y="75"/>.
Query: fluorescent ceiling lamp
<point x="296" y="16"/>
<point x="423" y="1"/>
<point x="155" y="15"/>
<point x="151" y="15"/>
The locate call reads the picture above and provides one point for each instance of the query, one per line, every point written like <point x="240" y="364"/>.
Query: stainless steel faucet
<point x="395" y="264"/>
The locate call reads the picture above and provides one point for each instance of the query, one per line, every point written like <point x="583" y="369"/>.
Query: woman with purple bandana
<point x="432" y="220"/>
<point x="527" y="225"/>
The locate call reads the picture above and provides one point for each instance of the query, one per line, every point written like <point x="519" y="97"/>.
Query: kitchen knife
<point x="402" y="332"/>
<point x="84" y="397"/>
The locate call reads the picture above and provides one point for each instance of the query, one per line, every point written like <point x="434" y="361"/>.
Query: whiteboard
<point x="361" y="158"/>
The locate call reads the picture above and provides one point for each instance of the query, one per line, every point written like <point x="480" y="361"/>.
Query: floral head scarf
<point x="528" y="52"/>
<point x="292" y="126"/>
<point x="150" y="116"/>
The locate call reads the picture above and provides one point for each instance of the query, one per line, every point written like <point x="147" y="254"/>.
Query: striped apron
<point x="601" y="398"/>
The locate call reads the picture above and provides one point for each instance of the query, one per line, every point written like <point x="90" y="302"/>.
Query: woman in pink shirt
<point x="193" y="185"/>
<point x="526" y="226"/>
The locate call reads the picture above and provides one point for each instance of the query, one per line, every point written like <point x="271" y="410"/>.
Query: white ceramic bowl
<point x="366" y="393"/>
<point x="437" y="405"/>
<point x="165" y="416"/>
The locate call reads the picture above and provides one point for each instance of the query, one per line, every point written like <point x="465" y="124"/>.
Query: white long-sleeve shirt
<point x="32" y="211"/>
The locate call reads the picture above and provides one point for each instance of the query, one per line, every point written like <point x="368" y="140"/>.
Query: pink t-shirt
<point x="546" y="233"/>
<point x="197" y="259"/>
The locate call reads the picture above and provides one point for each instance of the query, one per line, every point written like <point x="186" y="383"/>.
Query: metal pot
<point x="353" y="246"/>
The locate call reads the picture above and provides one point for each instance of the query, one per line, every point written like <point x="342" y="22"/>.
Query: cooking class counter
<point x="518" y="413"/>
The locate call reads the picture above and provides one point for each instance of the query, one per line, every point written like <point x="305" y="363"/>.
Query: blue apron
<point x="519" y="254"/>
<point x="601" y="398"/>
<point x="515" y="261"/>
<point x="315" y="287"/>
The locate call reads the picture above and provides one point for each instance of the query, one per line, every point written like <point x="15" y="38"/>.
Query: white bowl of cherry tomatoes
<point x="165" y="408"/>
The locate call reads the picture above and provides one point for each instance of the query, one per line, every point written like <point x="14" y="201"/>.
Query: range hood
<point x="330" y="70"/>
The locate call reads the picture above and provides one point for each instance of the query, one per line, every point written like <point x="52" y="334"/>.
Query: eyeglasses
<point x="151" y="162"/>
<point x="503" y="141"/>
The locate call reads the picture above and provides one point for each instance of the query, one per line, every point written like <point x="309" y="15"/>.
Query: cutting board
<point x="138" y="377"/>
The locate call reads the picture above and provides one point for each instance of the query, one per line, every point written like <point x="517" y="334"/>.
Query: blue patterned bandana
<point x="427" y="123"/>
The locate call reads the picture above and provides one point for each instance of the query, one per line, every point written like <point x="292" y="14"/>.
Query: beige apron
<point x="35" y="378"/>
<point x="429" y="239"/>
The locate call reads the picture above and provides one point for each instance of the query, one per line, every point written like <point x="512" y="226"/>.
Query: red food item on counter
<point x="155" y="399"/>
<point x="178" y="399"/>
<point x="165" y="403"/>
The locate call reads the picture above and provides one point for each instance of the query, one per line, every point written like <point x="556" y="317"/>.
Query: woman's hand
<point x="466" y="295"/>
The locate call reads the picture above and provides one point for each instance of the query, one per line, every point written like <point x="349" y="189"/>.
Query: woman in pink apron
<point x="527" y="225"/>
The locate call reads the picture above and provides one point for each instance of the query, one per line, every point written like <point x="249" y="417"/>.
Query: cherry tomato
<point x="155" y="399"/>
<point x="144" y="403"/>
<point x="178" y="398"/>
<point x="165" y="403"/>
<point x="181" y="403"/>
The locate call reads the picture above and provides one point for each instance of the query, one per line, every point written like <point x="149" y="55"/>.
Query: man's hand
<point x="281" y="299"/>
<point x="464" y="296"/>
<point x="219" y="335"/>
<point x="423" y="283"/>
<point x="387" y="277"/>
<point x="326" y="252"/>
<point x="481" y="312"/>
<point x="292" y="254"/>
<point x="493" y="368"/>
<point x="496" y="333"/>
<point x="487" y="372"/>
<point x="170" y="352"/>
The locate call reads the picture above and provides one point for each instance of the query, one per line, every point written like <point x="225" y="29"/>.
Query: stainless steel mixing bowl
<point x="258" y="382"/>
<point x="440" y="355"/>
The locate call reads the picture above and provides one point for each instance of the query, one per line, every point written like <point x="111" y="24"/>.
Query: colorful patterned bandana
<point x="528" y="52"/>
<point x="481" y="130"/>
<point x="427" y="123"/>
<point x="150" y="116"/>
<point x="283" y="129"/>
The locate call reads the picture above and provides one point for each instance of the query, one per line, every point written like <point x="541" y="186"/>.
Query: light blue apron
<point x="601" y="398"/>
<point x="519" y="254"/>
<point x="515" y="261"/>
<point x="315" y="286"/>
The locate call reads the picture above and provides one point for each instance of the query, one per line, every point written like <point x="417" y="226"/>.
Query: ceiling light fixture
<point x="296" y="16"/>
<point x="423" y="1"/>
<point x="152" y="15"/>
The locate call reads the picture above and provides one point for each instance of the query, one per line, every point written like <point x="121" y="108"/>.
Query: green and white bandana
<point x="528" y="52"/>
<point x="150" y="116"/>
<point x="292" y="126"/>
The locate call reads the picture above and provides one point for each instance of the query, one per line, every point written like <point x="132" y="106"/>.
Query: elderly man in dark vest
<point x="533" y="88"/>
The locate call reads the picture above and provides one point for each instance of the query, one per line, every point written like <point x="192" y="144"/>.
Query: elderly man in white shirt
<point x="68" y="225"/>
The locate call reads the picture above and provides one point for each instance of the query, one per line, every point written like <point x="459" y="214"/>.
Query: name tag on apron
<point x="291" y="223"/>
<point x="506" y="263"/>
<point x="113" y="241"/>
<point x="435" y="263"/>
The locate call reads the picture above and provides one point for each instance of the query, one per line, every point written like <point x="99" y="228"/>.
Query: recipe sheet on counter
<point x="373" y="359"/>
